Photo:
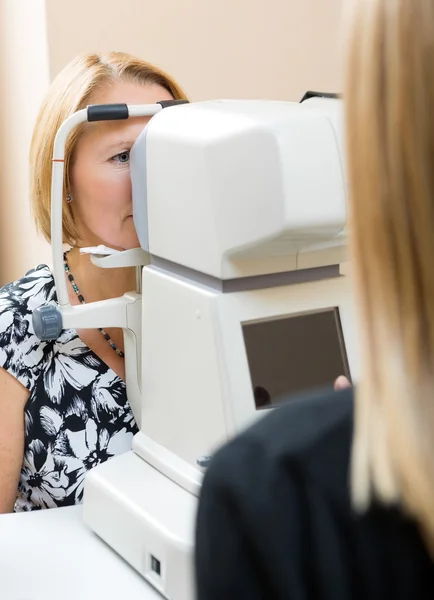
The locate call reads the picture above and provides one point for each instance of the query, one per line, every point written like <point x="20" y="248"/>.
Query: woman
<point x="63" y="405"/>
<point x="325" y="498"/>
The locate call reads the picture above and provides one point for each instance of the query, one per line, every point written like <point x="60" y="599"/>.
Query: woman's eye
<point x="122" y="157"/>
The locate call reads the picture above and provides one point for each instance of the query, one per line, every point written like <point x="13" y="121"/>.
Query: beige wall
<point x="23" y="81"/>
<point x="250" y="48"/>
<point x="232" y="48"/>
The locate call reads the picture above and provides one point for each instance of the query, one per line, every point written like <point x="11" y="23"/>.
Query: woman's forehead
<point x="113" y="133"/>
<point x="123" y="132"/>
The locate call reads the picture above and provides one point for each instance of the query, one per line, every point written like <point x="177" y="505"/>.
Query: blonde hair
<point x="73" y="90"/>
<point x="389" y="99"/>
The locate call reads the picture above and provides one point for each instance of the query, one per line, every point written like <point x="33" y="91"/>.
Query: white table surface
<point x="52" y="555"/>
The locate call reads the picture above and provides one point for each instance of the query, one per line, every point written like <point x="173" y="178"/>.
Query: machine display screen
<point x="294" y="354"/>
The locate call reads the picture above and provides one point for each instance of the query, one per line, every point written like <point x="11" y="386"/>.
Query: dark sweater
<point x="275" y="520"/>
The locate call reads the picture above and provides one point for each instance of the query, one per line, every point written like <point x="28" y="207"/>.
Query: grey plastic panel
<point x="243" y="284"/>
<point x="139" y="189"/>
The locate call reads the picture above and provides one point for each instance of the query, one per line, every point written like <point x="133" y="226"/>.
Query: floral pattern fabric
<point x="77" y="415"/>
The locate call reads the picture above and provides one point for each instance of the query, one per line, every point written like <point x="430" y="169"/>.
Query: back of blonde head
<point x="73" y="90"/>
<point x="389" y="100"/>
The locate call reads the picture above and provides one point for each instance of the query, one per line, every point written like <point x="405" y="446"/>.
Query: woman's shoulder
<point x="24" y="295"/>
<point x="306" y="434"/>
<point x="298" y="426"/>
<point x="20" y="349"/>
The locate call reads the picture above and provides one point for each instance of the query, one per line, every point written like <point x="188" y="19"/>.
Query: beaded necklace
<point x="82" y="301"/>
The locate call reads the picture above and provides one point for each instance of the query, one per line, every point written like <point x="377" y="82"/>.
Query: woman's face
<point x="100" y="174"/>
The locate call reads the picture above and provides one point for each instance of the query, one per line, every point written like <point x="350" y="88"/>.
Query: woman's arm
<point x="13" y="398"/>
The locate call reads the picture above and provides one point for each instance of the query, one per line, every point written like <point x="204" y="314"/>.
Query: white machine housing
<point x="242" y="208"/>
<point x="264" y="179"/>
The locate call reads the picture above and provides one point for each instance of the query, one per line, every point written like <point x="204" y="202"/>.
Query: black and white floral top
<point x="77" y="414"/>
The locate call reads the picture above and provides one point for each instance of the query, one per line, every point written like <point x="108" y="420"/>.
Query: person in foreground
<point x="63" y="404"/>
<point x="332" y="497"/>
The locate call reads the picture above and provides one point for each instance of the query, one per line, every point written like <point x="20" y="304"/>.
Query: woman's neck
<point x="96" y="283"/>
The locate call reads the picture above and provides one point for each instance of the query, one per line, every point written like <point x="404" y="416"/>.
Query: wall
<point x="231" y="48"/>
<point x="23" y="81"/>
<point x="245" y="48"/>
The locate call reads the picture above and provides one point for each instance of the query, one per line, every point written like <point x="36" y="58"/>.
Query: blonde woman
<point x="63" y="406"/>
<point x="332" y="497"/>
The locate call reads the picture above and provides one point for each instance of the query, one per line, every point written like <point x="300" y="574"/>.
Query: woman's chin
<point x="130" y="243"/>
<point x="124" y="242"/>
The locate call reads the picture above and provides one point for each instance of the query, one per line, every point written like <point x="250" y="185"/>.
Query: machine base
<point x="146" y="518"/>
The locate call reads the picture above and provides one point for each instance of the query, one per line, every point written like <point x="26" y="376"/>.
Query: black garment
<point x="77" y="415"/>
<point x="275" y="520"/>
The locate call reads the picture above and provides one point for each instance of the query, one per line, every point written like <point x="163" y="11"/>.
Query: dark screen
<point x="294" y="354"/>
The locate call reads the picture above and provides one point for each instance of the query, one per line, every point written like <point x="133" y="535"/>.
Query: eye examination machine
<point x="241" y="209"/>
